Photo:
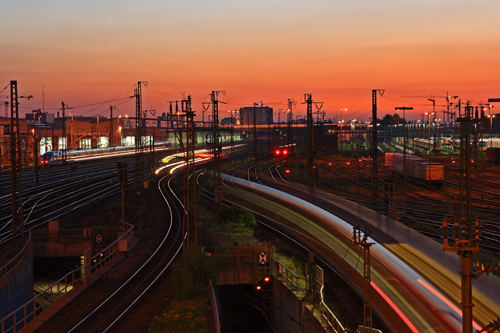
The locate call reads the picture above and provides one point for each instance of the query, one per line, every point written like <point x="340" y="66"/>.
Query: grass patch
<point x="187" y="309"/>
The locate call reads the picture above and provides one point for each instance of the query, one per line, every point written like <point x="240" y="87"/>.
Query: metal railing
<point x="296" y="282"/>
<point x="287" y="276"/>
<point x="330" y="320"/>
<point x="25" y="313"/>
<point x="14" y="261"/>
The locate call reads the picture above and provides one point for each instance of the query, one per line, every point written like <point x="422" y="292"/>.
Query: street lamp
<point x="428" y="114"/>
<point x="491" y="129"/>
<point x="404" y="108"/>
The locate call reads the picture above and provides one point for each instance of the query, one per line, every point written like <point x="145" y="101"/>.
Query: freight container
<point x="416" y="167"/>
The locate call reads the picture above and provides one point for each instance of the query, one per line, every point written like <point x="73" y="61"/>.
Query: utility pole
<point x="310" y="140"/>
<point x="16" y="167"/>
<point x="404" y="109"/>
<point x="289" y="120"/>
<point x="361" y="238"/>
<point x="405" y="171"/>
<point x="139" y="126"/>
<point x="232" y="132"/>
<point x="255" y="130"/>
<point x="64" y="150"/>
<point x="464" y="242"/>
<point x="111" y="133"/>
<point x="216" y="147"/>
<point x="190" y="217"/>
<point x="375" y="140"/>
<point x="205" y="106"/>
<point x="35" y="151"/>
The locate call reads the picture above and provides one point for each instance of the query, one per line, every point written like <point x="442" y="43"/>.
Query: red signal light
<point x="258" y="287"/>
<point x="267" y="279"/>
<point x="277" y="152"/>
<point x="348" y="163"/>
<point x="287" y="171"/>
<point x="285" y="151"/>
<point x="330" y="163"/>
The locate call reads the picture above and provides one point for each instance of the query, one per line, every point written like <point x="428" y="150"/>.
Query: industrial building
<point x="263" y="115"/>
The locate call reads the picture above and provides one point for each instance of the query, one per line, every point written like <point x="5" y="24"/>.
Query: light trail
<point x="446" y="301"/>
<point x="395" y="308"/>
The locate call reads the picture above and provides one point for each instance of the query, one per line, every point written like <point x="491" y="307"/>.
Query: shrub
<point x="236" y="220"/>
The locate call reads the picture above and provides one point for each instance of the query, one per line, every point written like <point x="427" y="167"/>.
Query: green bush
<point x="236" y="220"/>
<point x="192" y="273"/>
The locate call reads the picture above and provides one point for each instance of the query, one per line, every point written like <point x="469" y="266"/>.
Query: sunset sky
<point x="86" y="52"/>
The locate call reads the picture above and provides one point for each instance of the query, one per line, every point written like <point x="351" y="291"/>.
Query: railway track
<point x="116" y="306"/>
<point x="428" y="222"/>
<point x="66" y="197"/>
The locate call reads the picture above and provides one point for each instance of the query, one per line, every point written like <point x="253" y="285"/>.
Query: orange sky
<point x="255" y="50"/>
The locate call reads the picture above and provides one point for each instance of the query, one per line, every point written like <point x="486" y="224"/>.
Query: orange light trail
<point x="395" y="308"/>
<point x="446" y="301"/>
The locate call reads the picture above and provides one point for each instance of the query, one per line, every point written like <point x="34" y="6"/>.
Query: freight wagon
<point x="416" y="167"/>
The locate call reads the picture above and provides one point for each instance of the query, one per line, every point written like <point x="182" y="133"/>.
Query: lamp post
<point x="433" y="100"/>
<point x="428" y="114"/>
<point x="35" y="152"/>
<point x="404" y="108"/>
<point x="491" y="116"/>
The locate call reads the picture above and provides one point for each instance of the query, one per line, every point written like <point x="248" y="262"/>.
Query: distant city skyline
<point x="88" y="52"/>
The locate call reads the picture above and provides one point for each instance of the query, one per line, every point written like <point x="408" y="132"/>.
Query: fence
<point x="20" y="317"/>
<point x="287" y="276"/>
<point x="299" y="283"/>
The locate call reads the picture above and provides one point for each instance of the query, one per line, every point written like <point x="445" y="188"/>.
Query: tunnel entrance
<point x="46" y="271"/>
<point x="243" y="309"/>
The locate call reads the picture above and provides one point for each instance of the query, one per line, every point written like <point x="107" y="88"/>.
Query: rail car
<point x="482" y="144"/>
<point x="426" y="145"/>
<point x="416" y="168"/>
<point x="54" y="157"/>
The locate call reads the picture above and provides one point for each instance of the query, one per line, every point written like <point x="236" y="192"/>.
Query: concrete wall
<point x="290" y="315"/>
<point x="59" y="249"/>
<point x="16" y="288"/>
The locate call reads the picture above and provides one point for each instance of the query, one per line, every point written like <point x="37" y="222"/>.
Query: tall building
<point x="263" y="115"/>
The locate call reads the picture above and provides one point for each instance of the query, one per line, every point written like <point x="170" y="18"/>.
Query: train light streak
<point x="184" y="163"/>
<point x="446" y="301"/>
<point x="395" y="307"/>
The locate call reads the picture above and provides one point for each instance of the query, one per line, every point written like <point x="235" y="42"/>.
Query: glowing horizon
<point x="268" y="51"/>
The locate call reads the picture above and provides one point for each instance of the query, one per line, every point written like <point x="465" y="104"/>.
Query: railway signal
<point x="263" y="284"/>
<point x="281" y="151"/>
